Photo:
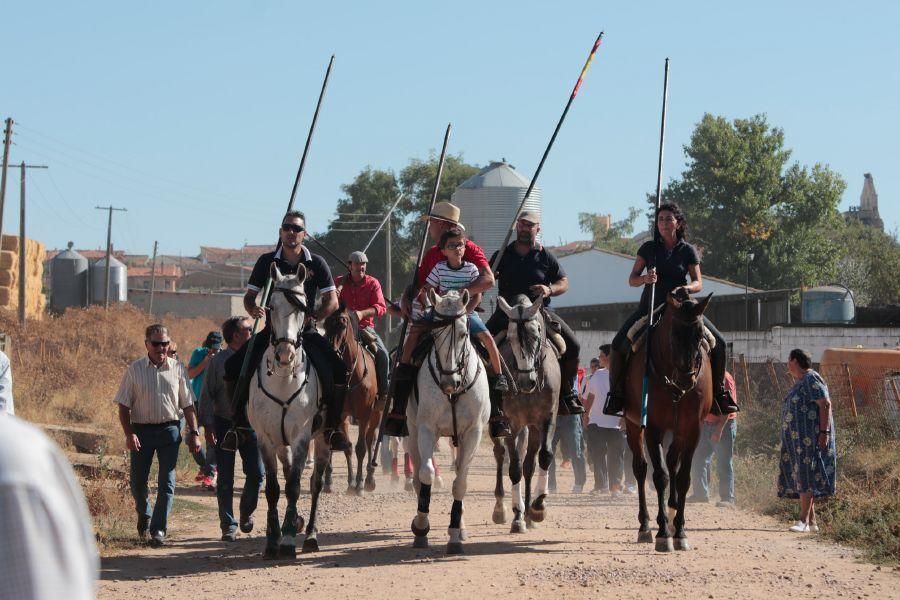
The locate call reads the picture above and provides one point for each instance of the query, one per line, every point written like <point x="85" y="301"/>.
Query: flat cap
<point x="358" y="257"/>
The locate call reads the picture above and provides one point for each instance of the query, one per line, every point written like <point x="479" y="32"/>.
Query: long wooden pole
<point x="405" y="326"/>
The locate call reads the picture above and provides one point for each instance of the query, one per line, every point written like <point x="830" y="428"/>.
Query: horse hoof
<point x="419" y="531"/>
<point x="682" y="544"/>
<point x="454" y="548"/>
<point x="499" y="516"/>
<point x="299" y="523"/>
<point x="645" y="537"/>
<point x="310" y="545"/>
<point x="370" y="486"/>
<point x="327" y="489"/>
<point x="408" y="485"/>
<point x="287" y="551"/>
<point x="664" y="544"/>
<point x="420" y="541"/>
<point x="270" y="553"/>
<point x="438" y="482"/>
<point x="518" y="527"/>
<point x="463" y="535"/>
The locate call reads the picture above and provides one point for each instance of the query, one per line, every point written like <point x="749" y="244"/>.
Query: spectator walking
<point x="197" y="366"/>
<point x="808" y="461"/>
<point x="6" y="395"/>
<point x="217" y="414"/>
<point x="48" y="548"/>
<point x="569" y="438"/>
<point x="604" y="432"/>
<point x="716" y="437"/>
<point x="153" y="392"/>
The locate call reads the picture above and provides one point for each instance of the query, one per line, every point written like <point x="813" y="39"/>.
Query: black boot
<point x="614" y="405"/>
<point x="724" y="403"/>
<point x="395" y="424"/>
<point x="239" y="391"/>
<point x="332" y="433"/>
<point x="569" y="403"/>
<point x="498" y="425"/>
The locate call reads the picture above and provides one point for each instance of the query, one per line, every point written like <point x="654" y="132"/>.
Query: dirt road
<point x="585" y="548"/>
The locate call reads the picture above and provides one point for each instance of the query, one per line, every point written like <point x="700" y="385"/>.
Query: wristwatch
<point x="194" y="432"/>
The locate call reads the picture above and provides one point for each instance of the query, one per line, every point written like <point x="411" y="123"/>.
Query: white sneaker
<point x="800" y="527"/>
<point x="813" y="528"/>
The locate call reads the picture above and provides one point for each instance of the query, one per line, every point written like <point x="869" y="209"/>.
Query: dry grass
<point x="66" y="371"/>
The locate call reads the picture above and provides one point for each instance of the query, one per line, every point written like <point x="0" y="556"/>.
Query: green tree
<point x="741" y="196"/>
<point x="868" y="264"/>
<point x="616" y="237"/>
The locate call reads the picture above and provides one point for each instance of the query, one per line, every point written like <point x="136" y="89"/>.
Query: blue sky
<point x="193" y="115"/>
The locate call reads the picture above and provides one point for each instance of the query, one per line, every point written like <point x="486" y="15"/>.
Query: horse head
<point x="451" y="338"/>
<point x="683" y="321"/>
<point x="338" y="325"/>
<point x="526" y="334"/>
<point x="288" y="304"/>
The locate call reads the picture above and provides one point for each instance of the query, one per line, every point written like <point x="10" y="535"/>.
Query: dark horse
<point x="340" y="330"/>
<point x="680" y="397"/>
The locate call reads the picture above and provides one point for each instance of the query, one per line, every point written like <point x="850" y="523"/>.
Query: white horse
<point x="451" y="400"/>
<point x="284" y="394"/>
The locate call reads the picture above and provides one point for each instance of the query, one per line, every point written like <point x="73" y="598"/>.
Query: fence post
<point x="852" y="395"/>
<point x="747" y="400"/>
<point x="773" y="375"/>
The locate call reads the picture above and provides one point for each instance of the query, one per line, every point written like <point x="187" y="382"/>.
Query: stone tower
<point x="867" y="211"/>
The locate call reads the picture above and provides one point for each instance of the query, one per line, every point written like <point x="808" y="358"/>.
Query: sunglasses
<point x="456" y="245"/>
<point x="163" y="344"/>
<point x="292" y="227"/>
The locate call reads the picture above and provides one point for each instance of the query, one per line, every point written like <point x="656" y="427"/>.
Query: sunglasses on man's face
<point x="292" y="227"/>
<point x="160" y="344"/>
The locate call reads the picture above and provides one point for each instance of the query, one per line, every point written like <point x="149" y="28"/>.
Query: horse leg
<point x="323" y="461"/>
<point x="273" y="491"/>
<point x="499" y="515"/>
<point x="672" y="461"/>
<point x="292" y="520"/>
<point x="660" y="481"/>
<point x="639" y="468"/>
<point x="528" y="468"/>
<point x="371" y="432"/>
<point x="545" y="457"/>
<point x="326" y="478"/>
<point x="424" y="451"/>
<point x="408" y="471"/>
<point x="515" y="446"/>
<point x="683" y="484"/>
<point x="468" y="444"/>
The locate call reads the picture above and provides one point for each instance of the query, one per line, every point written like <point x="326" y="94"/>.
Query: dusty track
<point x="585" y="548"/>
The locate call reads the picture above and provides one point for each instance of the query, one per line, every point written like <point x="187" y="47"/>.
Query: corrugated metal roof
<point x="496" y="174"/>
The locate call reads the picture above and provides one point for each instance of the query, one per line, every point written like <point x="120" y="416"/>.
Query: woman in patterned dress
<point x="808" y="467"/>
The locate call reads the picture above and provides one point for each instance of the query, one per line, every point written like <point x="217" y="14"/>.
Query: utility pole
<point x="241" y="270"/>
<point x="387" y="273"/>
<point x="110" y="208"/>
<point x="7" y="134"/>
<point x="153" y="276"/>
<point x="22" y="255"/>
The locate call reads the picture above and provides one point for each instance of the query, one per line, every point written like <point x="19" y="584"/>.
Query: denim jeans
<point x="381" y="363"/>
<point x="251" y="463"/>
<point x="568" y="436"/>
<point x="607" y="450"/>
<point x="702" y="464"/>
<point x="206" y="458"/>
<point x="163" y="440"/>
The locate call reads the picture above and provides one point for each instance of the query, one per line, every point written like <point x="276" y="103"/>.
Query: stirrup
<point x="395" y="425"/>
<point x="614" y="406"/>
<point x="337" y="441"/>
<point x="230" y="441"/>
<point x="499" y="427"/>
<point x="724" y="404"/>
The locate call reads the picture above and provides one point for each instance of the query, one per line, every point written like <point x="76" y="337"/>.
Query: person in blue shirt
<point x="196" y="368"/>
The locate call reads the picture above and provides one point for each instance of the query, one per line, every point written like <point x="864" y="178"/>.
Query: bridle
<point x="523" y="337"/>
<point x="297" y="299"/>
<point x="672" y="383"/>
<point x="347" y="329"/>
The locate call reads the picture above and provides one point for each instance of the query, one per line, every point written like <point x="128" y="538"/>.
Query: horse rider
<point x="527" y="267"/>
<point x="329" y="367"/>
<point x="444" y="216"/>
<point x="361" y="293"/>
<point x="673" y="265"/>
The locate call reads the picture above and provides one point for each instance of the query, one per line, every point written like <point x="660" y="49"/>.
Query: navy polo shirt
<point x="516" y="273"/>
<point x="318" y="280"/>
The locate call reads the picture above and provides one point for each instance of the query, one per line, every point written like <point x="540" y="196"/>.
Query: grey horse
<point x="531" y="407"/>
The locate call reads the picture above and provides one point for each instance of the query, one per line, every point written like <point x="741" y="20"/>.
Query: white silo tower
<point x="488" y="202"/>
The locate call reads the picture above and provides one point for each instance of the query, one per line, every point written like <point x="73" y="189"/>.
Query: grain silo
<point x="488" y="202"/>
<point x="118" y="281"/>
<point x="68" y="280"/>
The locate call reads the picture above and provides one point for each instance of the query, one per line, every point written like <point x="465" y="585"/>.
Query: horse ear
<point x="431" y="296"/>
<point x="701" y="306"/>
<point x="301" y="273"/>
<point x="464" y="298"/>
<point x="535" y="307"/>
<point x="504" y="305"/>
<point x="275" y="272"/>
<point x="673" y="301"/>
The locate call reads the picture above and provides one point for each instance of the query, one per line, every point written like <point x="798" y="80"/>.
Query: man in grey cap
<point x="526" y="267"/>
<point x="362" y="293"/>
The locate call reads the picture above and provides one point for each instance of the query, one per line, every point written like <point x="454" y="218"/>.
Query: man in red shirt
<point x="362" y="293"/>
<point x="444" y="216"/>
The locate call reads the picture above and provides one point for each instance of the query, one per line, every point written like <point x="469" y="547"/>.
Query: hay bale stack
<point x="35" y="301"/>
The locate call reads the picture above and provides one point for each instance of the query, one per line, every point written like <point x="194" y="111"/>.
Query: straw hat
<point x="444" y="211"/>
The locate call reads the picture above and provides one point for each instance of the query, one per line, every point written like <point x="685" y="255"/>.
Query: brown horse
<point x="680" y="397"/>
<point x="340" y="330"/>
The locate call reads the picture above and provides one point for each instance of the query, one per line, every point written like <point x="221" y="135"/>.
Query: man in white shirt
<point x="604" y="432"/>
<point x="6" y="396"/>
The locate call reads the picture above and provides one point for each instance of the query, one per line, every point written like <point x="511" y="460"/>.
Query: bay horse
<point x="362" y="391"/>
<point x="531" y="407"/>
<point x="451" y="399"/>
<point x="284" y="403"/>
<point x="680" y="397"/>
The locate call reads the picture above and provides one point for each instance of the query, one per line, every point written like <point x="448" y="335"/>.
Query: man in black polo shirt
<point x="329" y="367"/>
<point x="526" y="267"/>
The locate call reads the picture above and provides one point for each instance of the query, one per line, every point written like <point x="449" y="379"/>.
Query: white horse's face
<point x="526" y="336"/>
<point x="450" y="341"/>
<point x="288" y="303"/>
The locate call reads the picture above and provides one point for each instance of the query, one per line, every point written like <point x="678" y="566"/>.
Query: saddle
<point x="638" y="334"/>
<point x="367" y="339"/>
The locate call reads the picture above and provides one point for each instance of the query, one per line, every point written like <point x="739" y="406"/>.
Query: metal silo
<point x="68" y="280"/>
<point x="488" y="202"/>
<point x="118" y="281"/>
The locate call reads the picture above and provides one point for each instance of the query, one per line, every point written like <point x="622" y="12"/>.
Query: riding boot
<point x="334" y="409"/>
<point x="615" y="399"/>
<point x="404" y="378"/>
<point x="724" y="402"/>
<point x="569" y="403"/>
<point x="498" y="424"/>
<point x="239" y="392"/>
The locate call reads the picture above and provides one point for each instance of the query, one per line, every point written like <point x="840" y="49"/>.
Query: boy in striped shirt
<point x="454" y="274"/>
